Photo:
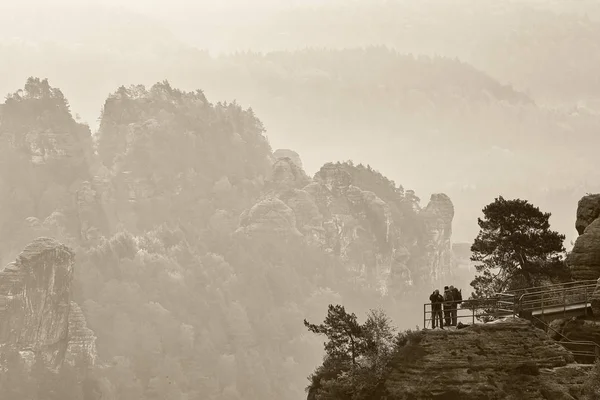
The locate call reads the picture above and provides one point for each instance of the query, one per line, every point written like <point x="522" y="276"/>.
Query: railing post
<point x="542" y="305"/>
<point x="585" y="292"/>
<point x="564" y="300"/>
<point x="425" y="316"/>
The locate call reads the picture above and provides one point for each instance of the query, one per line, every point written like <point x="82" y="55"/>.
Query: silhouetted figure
<point x="436" y="300"/>
<point x="457" y="299"/>
<point x="447" y="306"/>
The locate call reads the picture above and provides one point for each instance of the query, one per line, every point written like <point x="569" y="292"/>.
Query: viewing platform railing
<point x="534" y="303"/>
<point x="469" y="311"/>
<point x="558" y="299"/>
<point x="581" y="349"/>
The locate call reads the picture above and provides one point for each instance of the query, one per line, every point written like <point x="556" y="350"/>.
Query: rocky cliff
<point x="584" y="259"/>
<point x="351" y="212"/>
<point x="438" y="217"/>
<point x="504" y="360"/>
<point x="37" y="315"/>
<point x="584" y="262"/>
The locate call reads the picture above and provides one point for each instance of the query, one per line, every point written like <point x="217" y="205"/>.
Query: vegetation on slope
<point x="547" y="49"/>
<point x="430" y="111"/>
<point x="180" y="305"/>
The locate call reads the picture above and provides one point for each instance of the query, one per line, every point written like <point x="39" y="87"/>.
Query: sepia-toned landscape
<point x="257" y="200"/>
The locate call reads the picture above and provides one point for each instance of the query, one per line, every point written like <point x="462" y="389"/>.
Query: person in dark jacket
<point x="448" y="301"/>
<point x="436" y="300"/>
<point x="457" y="299"/>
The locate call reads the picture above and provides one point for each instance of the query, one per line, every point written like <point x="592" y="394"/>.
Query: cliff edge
<point x="508" y="359"/>
<point x="377" y="229"/>
<point x="36" y="311"/>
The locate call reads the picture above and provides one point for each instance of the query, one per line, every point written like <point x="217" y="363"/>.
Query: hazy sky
<point x="215" y="25"/>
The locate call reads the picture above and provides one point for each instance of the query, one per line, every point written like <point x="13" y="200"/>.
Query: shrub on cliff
<point x="515" y="248"/>
<point x="358" y="355"/>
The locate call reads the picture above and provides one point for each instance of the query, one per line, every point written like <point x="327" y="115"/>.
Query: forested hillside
<point x="199" y="250"/>
<point x="434" y="119"/>
<point x="548" y="48"/>
<point x="545" y="50"/>
<point x="198" y="253"/>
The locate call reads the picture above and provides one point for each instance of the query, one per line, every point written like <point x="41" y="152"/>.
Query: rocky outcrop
<point x="575" y="329"/>
<point x="596" y="299"/>
<point x="588" y="209"/>
<point x="82" y="341"/>
<point x="508" y="359"/>
<point x="438" y="217"/>
<point x="374" y="236"/>
<point x="584" y="259"/>
<point x="269" y="216"/>
<point x="291" y="154"/>
<point x="287" y="175"/>
<point x="35" y="304"/>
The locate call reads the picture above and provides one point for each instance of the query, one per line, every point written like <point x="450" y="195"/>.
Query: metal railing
<point x="544" y="300"/>
<point x="469" y="310"/>
<point x="558" y="298"/>
<point x="590" y="349"/>
<point x="564" y="285"/>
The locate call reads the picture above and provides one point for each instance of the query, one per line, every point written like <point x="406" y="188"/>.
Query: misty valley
<point x="386" y="200"/>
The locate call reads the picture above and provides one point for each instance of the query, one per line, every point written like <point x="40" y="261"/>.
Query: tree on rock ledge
<point x="515" y="248"/>
<point x="358" y="356"/>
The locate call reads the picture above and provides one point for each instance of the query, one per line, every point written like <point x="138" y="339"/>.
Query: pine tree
<point x="515" y="248"/>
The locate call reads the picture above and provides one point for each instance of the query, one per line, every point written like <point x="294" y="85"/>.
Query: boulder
<point x="588" y="209"/>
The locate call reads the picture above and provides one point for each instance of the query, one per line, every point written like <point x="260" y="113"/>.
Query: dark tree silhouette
<point x="344" y="332"/>
<point x="515" y="248"/>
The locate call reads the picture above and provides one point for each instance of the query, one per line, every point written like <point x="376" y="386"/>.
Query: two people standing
<point x="450" y="300"/>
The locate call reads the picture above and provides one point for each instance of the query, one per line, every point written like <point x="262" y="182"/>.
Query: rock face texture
<point x="270" y="216"/>
<point x="575" y="329"/>
<point x="381" y="237"/>
<point x="588" y="209"/>
<point x="596" y="299"/>
<point x="584" y="259"/>
<point x="82" y="341"/>
<point x="505" y="360"/>
<point x="291" y="154"/>
<point x="438" y="217"/>
<point x="35" y="304"/>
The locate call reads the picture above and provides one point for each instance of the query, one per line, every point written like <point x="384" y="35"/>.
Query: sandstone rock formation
<point x="596" y="299"/>
<point x="287" y="175"/>
<point x="438" y="217"/>
<point x="36" y="309"/>
<point x="82" y="341"/>
<point x="584" y="259"/>
<point x="380" y="239"/>
<point x="588" y="209"/>
<point x="270" y="216"/>
<point x="584" y="262"/>
<point x="504" y="360"/>
<point x="575" y="329"/>
<point x="291" y="154"/>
